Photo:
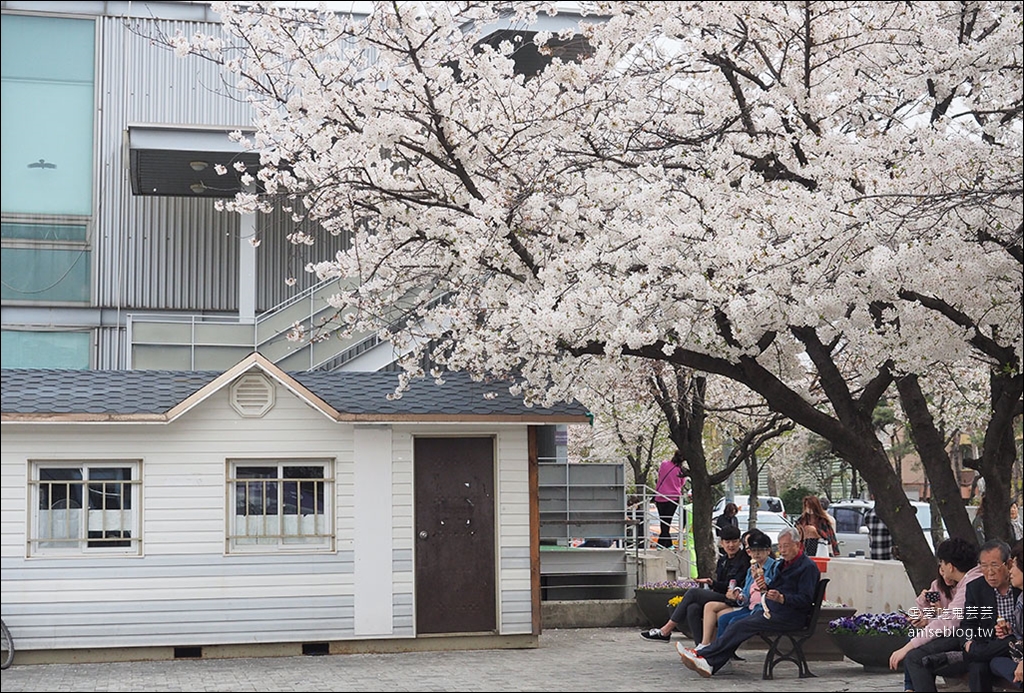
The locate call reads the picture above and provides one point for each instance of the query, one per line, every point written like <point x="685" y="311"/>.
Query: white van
<point x="852" y="533"/>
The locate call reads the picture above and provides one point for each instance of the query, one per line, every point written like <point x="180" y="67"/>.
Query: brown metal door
<point x="455" y="579"/>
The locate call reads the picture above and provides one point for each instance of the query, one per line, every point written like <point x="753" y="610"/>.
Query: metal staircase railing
<point x="198" y="342"/>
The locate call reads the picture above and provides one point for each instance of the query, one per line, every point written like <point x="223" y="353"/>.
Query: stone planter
<point x="821" y="647"/>
<point x="653" y="604"/>
<point x="870" y="651"/>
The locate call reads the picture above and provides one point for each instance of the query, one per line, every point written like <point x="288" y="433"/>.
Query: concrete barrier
<point x="866" y="585"/>
<point x="869" y="586"/>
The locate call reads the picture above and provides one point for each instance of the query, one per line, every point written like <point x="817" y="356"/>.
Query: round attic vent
<point x="252" y="395"/>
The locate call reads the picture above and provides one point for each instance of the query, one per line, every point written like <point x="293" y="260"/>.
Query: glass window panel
<point x="36" y="274"/>
<point x="281" y="505"/>
<point x="256" y="473"/>
<point x="58" y="233"/>
<point x="847" y="520"/>
<point x="304" y="472"/>
<point x="109" y="538"/>
<point x="29" y="42"/>
<point x="20" y="349"/>
<point x="305" y="497"/>
<point x="105" y="490"/>
<point x="46" y="106"/>
<point x="60" y="525"/>
<point x="107" y="521"/>
<point x="256" y="497"/>
<point x="59" y="488"/>
<point x="57" y="129"/>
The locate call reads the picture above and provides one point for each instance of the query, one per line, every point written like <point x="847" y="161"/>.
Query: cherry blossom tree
<point x="644" y="410"/>
<point x="792" y="195"/>
<point x="628" y="424"/>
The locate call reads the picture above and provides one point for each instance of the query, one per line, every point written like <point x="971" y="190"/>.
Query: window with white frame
<point x="85" y="507"/>
<point x="280" y="504"/>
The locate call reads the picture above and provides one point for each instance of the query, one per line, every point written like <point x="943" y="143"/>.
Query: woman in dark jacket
<point x="727" y="518"/>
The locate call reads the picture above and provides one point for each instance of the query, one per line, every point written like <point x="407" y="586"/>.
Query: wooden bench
<point x="788" y="646"/>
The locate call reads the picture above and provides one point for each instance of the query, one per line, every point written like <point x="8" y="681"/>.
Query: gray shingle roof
<point x="149" y="392"/>
<point x="51" y="391"/>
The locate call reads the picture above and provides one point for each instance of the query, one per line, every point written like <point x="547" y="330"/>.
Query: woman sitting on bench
<point x="791" y="594"/>
<point x="718" y="615"/>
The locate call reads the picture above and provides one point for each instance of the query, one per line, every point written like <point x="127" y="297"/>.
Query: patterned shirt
<point x="1004" y="604"/>
<point x="878" y="537"/>
<point x="1018" y="617"/>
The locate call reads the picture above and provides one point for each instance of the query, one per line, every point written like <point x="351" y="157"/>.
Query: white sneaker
<point x="694" y="661"/>
<point x="700" y="647"/>
<point x="702" y="667"/>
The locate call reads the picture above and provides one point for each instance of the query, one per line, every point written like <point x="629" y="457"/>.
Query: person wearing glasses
<point x="1012" y="668"/>
<point x="759" y="548"/>
<point x="938" y="626"/>
<point x="790" y="596"/>
<point x="989" y="614"/>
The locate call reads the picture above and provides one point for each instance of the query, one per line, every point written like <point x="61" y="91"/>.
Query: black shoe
<point x="654" y="634"/>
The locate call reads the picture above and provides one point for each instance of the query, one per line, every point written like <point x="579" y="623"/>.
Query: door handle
<point x="423" y="534"/>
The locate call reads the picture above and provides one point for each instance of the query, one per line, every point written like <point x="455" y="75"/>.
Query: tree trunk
<point x="853" y="438"/>
<point x="999" y="453"/>
<point x="703" y="536"/>
<point x="686" y="415"/>
<point x="894" y="508"/>
<point x="849" y="428"/>
<point x="937" y="465"/>
<point x="752" y="475"/>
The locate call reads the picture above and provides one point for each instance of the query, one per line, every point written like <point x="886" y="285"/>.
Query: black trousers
<point x="738" y="632"/>
<point x="979" y="657"/>
<point x="922" y="672"/>
<point x="691" y="610"/>
<point x="666" y="510"/>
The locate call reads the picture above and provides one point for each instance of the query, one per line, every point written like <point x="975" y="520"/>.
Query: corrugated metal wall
<point x="278" y="259"/>
<point x="159" y="253"/>
<point x="155" y="253"/>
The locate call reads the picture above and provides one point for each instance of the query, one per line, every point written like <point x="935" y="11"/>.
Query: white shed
<point x="159" y="514"/>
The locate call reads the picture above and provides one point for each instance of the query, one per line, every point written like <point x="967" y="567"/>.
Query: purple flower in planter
<point x="871" y="624"/>
<point x="668" y="585"/>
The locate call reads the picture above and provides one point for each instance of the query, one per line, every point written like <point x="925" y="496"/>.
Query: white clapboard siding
<point x="185" y="590"/>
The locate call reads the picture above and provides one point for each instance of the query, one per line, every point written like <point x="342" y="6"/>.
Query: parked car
<point x="771" y="523"/>
<point x="852" y="533"/>
<point x="769" y="503"/>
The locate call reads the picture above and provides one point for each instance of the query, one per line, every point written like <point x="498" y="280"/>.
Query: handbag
<point x="823" y="549"/>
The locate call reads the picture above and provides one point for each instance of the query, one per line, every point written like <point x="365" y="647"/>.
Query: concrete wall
<point x="656" y="566"/>
<point x="866" y="585"/>
<point x="591" y="613"/>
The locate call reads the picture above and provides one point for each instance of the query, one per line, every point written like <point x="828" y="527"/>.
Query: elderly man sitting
<point x="790" y="597"/>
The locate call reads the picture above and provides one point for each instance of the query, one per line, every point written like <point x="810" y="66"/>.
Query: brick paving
<point x="589" y="659"/>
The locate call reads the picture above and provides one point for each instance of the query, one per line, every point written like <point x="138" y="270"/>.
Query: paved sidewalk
<point x="591" y="659"/>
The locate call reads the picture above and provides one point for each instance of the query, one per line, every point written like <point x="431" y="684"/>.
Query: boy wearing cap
<point x="759" y="548"/>
<point x="731" y="566"/>
<point x="790" y="594"/>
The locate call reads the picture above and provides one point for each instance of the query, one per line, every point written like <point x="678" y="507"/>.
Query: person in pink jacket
<point x="672" y="475"/>
<point x="936" y="623"/>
